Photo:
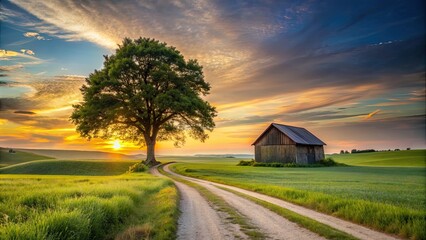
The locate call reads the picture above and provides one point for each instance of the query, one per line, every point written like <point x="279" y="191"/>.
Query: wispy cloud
<point x="370" y="115"/>
<point x="45" y="113"/>
<point x="26" y="54"/>
<point x="34" y="35"/>
<point x="10" y="67"/>
<point x="27" y="51"/>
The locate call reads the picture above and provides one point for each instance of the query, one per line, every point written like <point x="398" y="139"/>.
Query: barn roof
<point x="297" y="134"/>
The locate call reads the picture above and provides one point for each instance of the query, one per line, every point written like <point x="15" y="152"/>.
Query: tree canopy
<point x="145" y="92"/>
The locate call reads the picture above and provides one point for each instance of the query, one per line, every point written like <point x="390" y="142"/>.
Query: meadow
<point x="386" y="198"/>
<point x="45" y="198"/>
<point x="70" y="167"/>
<point x="411" y="158"/>
<point x="38" y="203"/>
<point x="7" y="159"/>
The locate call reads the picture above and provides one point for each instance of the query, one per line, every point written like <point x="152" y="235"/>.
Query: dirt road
<point x="198" y="220"/>
<point x="342" y="225"/>
<point x="269" y="223"/>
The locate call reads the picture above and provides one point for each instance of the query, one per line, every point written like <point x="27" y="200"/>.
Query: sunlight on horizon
<point x="116" y="145"/>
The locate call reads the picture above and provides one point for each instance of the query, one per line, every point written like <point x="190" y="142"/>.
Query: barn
<point x="288" y="144"/>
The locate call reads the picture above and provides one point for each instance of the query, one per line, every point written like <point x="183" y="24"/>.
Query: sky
<point x="351" y="72"/>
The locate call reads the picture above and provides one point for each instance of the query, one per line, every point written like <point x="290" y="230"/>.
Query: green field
<point x="411" y="158"/>
<point x="383" y="190"/>
<point x="7" y="159"/>
<point x="390" y="199"/>
<point x="70" y="167"/>
<point x="64" y="207"/>
<point x="99" y="201"/>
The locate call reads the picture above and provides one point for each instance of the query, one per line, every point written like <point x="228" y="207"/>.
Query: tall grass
<point x="45" y="207"/>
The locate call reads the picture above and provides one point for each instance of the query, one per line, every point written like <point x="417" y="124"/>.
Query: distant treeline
<point x="362" y="151"/>
<point x="368" y="150"/>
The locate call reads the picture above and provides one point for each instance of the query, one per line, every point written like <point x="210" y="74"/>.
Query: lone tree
<point x="145" y="92"/>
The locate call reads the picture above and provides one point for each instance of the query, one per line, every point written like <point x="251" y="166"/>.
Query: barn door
<point x="311" y="154"/>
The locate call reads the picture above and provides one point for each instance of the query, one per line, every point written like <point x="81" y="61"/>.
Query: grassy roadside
<point x="222" y="206"/>
<point x="387" y="199"/>
<point x="305" y="222"/>
<point x="130" y="206"/>
<point x="308" y="223"/>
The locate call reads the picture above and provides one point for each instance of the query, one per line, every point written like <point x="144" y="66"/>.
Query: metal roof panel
<point x="299" y="135"/>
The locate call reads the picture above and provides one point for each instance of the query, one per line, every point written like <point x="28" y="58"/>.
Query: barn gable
<point x="288" y="144"/>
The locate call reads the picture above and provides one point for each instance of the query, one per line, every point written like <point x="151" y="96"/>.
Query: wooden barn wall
<point x="276" y="153"/>
<point x="274" y="137"/>
<point x="302" y="154"/>
<point x="257" y="153"/>
<point x="309" y="154"/>
<point x="319" y="153"/>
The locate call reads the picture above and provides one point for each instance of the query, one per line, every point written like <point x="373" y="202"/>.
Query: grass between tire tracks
<point x="308" y="223"/>
<point x="234" y="216"/>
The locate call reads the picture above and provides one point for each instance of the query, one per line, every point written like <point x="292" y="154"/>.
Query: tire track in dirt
<point x="269" y="223"/>
<point x="198" y="220"/>
<point x="353" y="229"/>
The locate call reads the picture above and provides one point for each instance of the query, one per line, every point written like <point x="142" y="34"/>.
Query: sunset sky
<point x="351" y="72"/>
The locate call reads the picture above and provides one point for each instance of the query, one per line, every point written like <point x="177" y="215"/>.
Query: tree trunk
<point x="150" y="153"/>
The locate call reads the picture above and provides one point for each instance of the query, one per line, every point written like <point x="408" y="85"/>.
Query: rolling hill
<point x="7" y="159"/>
<point x="70" y="167"/>
<point x="407" y="158"/>
<point x="76" y="154"/>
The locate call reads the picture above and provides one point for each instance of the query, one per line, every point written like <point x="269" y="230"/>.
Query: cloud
<point x="34" y="35"/>
<point x="48" y="106"/>
<point x="5" y="53"/>
<point x="190" y="26"/>
<point x="8" y="54"/>
<point x="27" y="51"/>
<point x="381" y="133"/>
<point x="25" y="112"/>
<point x="31" y="34"/>
<point x="370" y="115"/>
<point x="8" y="68"/>
<point x="288" y="45"/>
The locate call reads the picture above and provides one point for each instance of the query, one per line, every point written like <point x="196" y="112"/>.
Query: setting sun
<point x="116" y="145"/>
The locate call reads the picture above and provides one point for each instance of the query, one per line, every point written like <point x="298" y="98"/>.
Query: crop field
<point x="390" y="199"/>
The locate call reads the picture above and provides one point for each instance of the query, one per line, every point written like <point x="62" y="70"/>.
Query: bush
<point x="138" y="167"/>
<point x="246" y="163"/>
<point x="328" y="162"/>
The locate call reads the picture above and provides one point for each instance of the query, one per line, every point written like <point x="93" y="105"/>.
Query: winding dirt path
<point x="198" y="220"/>
<point x="353" y="229"/>
<point x="269" y="223"/>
